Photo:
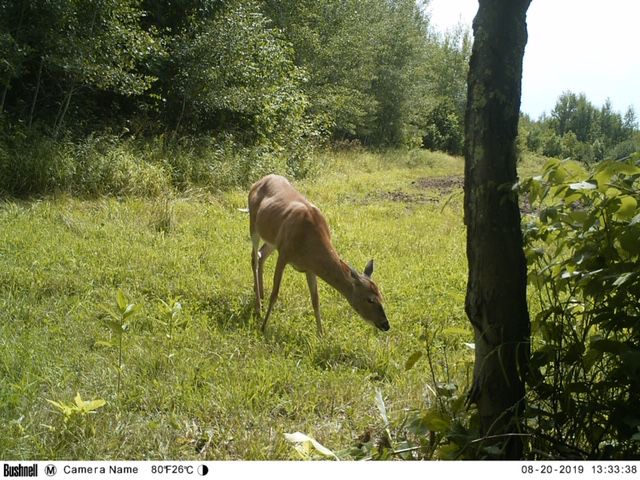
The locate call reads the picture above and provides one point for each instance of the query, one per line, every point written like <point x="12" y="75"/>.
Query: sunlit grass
<point x="215" y="387"/>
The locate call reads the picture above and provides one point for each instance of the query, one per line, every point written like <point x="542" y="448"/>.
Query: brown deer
<point x="289" y="223"/>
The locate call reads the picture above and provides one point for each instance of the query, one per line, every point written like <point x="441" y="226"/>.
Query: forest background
<point x="216" y="93"/>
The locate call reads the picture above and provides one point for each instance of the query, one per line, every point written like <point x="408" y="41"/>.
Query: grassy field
<point x="203" y="382"/>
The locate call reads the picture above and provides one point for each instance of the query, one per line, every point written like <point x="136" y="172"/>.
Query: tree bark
<point x="496" y="301"/>
<point x="64" y="107"/>
<point x="35" y="94"/>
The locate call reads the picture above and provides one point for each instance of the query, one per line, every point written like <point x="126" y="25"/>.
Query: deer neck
<point x="336" y="273"/>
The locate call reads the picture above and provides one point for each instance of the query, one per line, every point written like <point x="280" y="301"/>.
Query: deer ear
<point x="368" y="270"/>
<point x="354" y="274"/>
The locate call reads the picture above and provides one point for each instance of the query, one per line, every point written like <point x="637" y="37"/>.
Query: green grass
<point x="217" y="388"/>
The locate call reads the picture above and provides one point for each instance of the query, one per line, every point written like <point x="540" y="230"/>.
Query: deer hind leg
<point x="257" y="280"/>
<point x="264" y="253"/>
<point x="277" y="278"/>
<point x="312" y="282"/>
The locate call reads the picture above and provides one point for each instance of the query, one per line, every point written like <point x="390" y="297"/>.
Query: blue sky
<point x="586" y="46"/>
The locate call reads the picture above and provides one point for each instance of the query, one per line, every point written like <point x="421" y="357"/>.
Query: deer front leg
<point x="277" y="278"/>
<point x="265" y="251"/>
<point x="312" y="282"/>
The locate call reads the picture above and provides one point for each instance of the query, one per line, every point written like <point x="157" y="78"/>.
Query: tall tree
<point x="496" y="291"/>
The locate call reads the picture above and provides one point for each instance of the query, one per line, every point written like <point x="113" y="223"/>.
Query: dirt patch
<point x="434" y="189"/>
<point x="444" y="185"/>
<point x="403" y="197"/>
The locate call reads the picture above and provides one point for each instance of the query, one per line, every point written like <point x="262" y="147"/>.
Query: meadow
<point x="186" y="372"/>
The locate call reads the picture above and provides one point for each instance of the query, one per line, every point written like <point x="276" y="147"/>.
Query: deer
<point x="287" y="222"/>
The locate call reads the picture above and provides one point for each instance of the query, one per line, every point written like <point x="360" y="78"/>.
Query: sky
<point x="585" y="46"/>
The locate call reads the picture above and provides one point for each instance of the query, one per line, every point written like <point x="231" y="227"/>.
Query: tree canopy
<point x="264" y="72"/>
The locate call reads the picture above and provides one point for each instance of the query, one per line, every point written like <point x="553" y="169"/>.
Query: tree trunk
<point x="35" y="94"/>
<point x="63" y="112"/>
<point x="3" y="97"/>
<point x="496" y="301"/>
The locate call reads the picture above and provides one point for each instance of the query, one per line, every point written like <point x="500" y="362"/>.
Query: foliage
<point x="373" y="69"/>
<point x="119" y="323"/>
<point x="446" y="70"/>
<point x="236" y="70"/>
<point x="577" y="129"/>
<point x="443" y="427"/>
<point x="62" y="50"/>
<point x="444" y="129"/>
<point x="583" y="253"/>
<point x="265" y="82"/>
<point x="76" y="426"/>
<point x="79" y="407"/>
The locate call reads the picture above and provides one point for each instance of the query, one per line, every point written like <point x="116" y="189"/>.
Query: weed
<point x="118" y="323"/>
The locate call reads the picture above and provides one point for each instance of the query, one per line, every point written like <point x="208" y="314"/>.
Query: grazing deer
<point x="289" y="223"/>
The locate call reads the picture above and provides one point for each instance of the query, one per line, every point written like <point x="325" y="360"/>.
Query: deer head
<point x="366" y="299"/>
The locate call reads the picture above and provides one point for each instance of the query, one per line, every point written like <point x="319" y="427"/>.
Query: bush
<point x="583" y="252"/>
<point x="551" y="145"/>
<point x="33" y="164"/>
<point x="105" y="165"/>
<point x="624" y="150"/>
<point x="444" y="129"/>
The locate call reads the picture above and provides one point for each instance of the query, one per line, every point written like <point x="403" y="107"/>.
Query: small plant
<point x="118" y="323"/>
<point x="174" y="319"/>
<point x="75" y="416"/>
<point x="443" y="428"/>
<point x="79" y="407"/>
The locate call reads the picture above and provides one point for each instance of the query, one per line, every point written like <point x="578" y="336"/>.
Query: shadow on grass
<point x="229" y="313"/>
<point x="234" y="314"/>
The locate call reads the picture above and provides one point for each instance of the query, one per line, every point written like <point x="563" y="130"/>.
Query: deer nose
<point x="384" y="326"/>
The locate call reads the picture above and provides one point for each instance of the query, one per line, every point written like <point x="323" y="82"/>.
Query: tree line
<point x="578" y="129"/>
<point x="265" y="72"/>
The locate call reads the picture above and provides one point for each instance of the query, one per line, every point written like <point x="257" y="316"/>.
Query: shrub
<point x="624" y="149"/>
<point x="106" y="165"/>
<point x="33" y="164"/>
<point x="444" y="130"/>
<point x="583" y="253"/>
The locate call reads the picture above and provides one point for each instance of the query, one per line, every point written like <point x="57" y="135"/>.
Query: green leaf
<point x="456" y="331"/>
<point x="87" y="406"/>
<point x="121" y="300"/>
<point x="631" y="361"/>
<point x="590" y="358"/>
<point x="435" y="421"/>
<point x="606" y="345"/>
<point x="411" y="361"/>
<point x="450" y="451"/>
<point x="65" y="409"/>
<point x="628" y="207"/>
<point x="129" y="310"/>
<point x="612" y="192"/>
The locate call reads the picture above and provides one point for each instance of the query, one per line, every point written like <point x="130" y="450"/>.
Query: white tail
<point x="289" y="223"/>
